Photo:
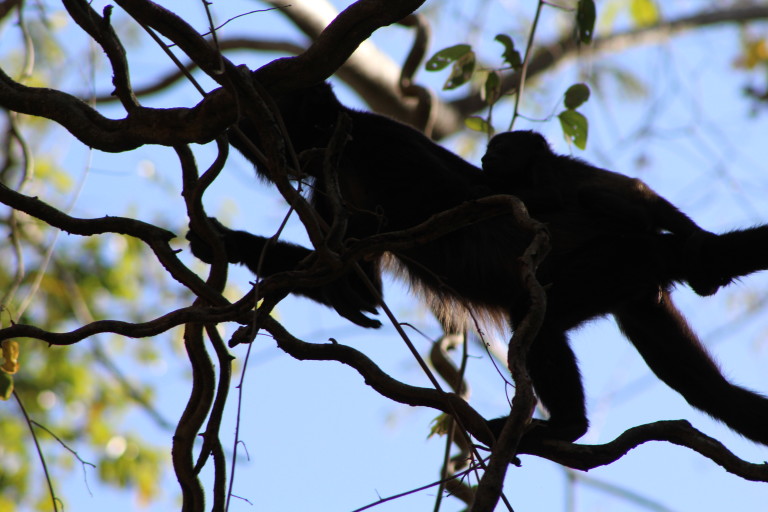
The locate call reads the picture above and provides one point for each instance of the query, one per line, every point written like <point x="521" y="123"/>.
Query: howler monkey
<point x="522" y="163"/>
<point x="596" y="215"/>
<point x="392" y="177"/>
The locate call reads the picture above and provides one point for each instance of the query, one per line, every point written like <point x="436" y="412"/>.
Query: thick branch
<point x="369" y="71"/>
<point x="381" y="382"/>
<point x="679" y="432"/>
<point x="336" y="43"/>
<point x="581" y="457"/>
<point x="169" y="127"/>
<point x="198" y="405"/>
<point x="210" y="117"/>
<point x="524" y="402"/>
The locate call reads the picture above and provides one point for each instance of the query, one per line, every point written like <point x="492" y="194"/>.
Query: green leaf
<point x="575" y="127"/>
<point x="461" y="72"/>
<point x="585" y="20"/>
<point x="446" y="56"/>
<point x="492" y="88"/>
<point x="440" y="425"/>
<point x="510" y="55"/>
<point x="576" y="95"/>
<point x="6" y="386"/>
<point x="644" y="12"/>
<point x="478" y="124"/>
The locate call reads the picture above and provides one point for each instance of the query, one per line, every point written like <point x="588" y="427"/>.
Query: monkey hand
<point x="350" y="302"/>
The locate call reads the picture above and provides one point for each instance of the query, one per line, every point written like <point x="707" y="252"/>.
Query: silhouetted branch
<point x="191" y="421"/>
<point x="100" y="29"/>
<point x="439" y="225"/>
<point x="524" y="401"/>
<point x="132" y="330"/>
<point x="226" y="45"/>
<point x="679" y="432"/>
<point x="166" y="126"/>
<point x="381" y="382"/>
<point x="335" y="44"/>
<point x="576" y="456"/>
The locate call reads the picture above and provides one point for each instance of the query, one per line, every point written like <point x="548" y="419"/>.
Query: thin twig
<point x="54" y="499"/>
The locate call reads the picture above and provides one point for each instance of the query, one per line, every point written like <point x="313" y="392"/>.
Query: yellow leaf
<point x="644" y="12"/>
<point x="11" y="355"/>
<point x="755" y="52"/>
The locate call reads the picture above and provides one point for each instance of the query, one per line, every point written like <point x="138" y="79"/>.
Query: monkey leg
<point x="674" y="353"/>
<point x="556" y="379"/>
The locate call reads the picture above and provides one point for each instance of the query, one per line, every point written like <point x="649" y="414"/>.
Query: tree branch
<point x="524" y="401"/>
<point x="132" y="330"/>
<point x="191" y="420"/>
<point x="679" y="432"/>
<point x="167" y="126"/>
<point x="100" y="29"/>
<point x="582" y="457"/>
<point x="381" y="382"/>
<point x="202" y="123"/>
<point x="335" y="44"/>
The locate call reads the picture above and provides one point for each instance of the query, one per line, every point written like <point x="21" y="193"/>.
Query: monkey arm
<point x="244" y="248"/>
<point x="348" y="294"/>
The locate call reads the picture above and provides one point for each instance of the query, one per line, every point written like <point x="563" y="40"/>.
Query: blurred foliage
<point x="83" y="394"/>
<point x="78" y="397"/>
<point x="73" y="391"/>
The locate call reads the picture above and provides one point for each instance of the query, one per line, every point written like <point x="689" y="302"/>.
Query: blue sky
<point x="319" y="439"/>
